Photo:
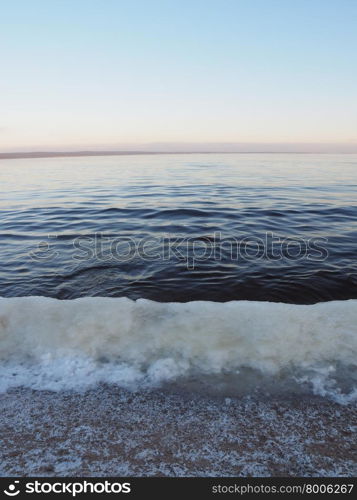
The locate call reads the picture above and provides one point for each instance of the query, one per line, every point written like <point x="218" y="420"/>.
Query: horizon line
<point x="82" y="153"/>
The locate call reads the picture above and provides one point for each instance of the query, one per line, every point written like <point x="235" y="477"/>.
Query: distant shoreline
<point x="65" y="154"/>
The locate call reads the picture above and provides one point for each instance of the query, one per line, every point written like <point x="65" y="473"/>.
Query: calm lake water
<point x="220" y="227"/>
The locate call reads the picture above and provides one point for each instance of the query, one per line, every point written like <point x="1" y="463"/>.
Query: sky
<point x="178" y="74"/>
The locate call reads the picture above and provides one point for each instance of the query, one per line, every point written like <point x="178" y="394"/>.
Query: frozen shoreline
<point x="111" y="431"/>
<point x="50" y="344"/>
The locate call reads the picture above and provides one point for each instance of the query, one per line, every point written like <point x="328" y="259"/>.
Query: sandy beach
<point x="109" y="431"/>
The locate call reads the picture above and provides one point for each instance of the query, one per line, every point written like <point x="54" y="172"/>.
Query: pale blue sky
<point x="108" y="73"/>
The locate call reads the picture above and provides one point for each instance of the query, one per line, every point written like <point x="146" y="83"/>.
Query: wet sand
<point x="109" y="431"/>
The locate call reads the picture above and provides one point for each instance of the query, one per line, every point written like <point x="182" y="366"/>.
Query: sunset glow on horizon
<point x="194" y="74"/>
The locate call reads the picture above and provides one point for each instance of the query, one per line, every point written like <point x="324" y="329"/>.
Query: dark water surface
<point x="180" y="227"/>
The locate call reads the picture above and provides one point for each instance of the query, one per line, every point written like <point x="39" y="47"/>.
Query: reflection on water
<point x="47" y="204"/>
